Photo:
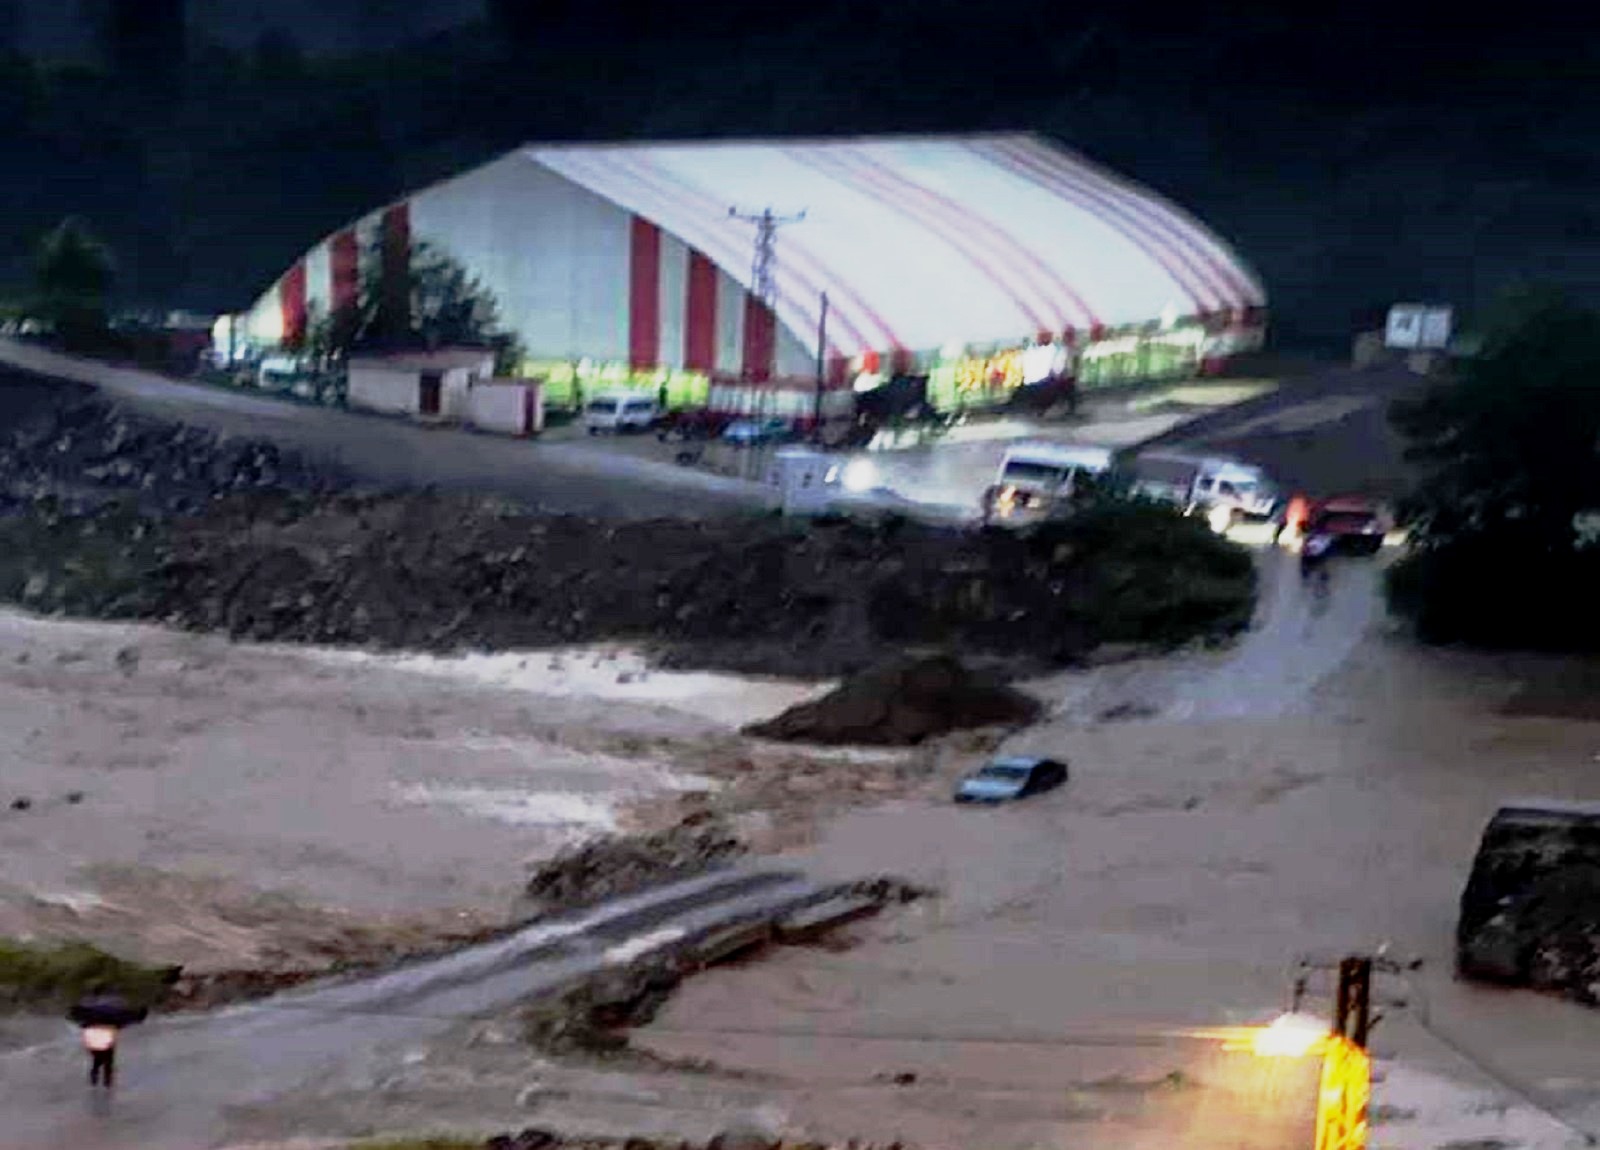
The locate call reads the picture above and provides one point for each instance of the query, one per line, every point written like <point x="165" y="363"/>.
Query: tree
<point x="444" y="305"/>
<point x="1509" y="450"/>
<point x="72" y="279"/>
<point x="1511" y="441"/>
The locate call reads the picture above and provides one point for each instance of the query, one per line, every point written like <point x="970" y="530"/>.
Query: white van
<point x="1033" y="477"/>
<point x="620" y="412"/>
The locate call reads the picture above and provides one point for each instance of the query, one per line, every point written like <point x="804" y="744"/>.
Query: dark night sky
<point x="56" y="28"/>
<point x="1357" y="153"/>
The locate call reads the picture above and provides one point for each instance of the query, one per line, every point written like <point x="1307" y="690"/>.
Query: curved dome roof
<point x="920" y="242"/>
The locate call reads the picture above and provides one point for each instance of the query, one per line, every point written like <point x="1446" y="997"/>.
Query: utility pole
<point x="822" y="369"/>
<point x="763" y="282"/>
<point x="764" y="267"/>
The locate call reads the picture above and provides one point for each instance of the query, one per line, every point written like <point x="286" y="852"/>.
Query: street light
<point x="1291" y="1036"/>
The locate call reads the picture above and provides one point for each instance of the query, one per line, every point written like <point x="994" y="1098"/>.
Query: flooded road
<point x="179" y="1078"/>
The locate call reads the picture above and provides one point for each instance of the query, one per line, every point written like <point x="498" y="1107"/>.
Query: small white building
<point x="431" y="385"/>
<point x="509" y="406"/>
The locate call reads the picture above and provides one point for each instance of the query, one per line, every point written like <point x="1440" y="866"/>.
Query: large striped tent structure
<point x="636" y="262"/>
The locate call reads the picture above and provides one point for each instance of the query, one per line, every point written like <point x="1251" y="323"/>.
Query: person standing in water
<point x="101" y="1043"/>
<point x="101" y="1014"/>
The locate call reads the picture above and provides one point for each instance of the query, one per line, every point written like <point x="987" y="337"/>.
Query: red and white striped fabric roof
<point x="923" y="242"/>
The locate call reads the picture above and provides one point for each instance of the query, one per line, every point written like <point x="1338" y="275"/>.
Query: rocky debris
<point x="1530" y="913"/>
<point x="1566" y="955"/>
<point x="609" y="868"/>
<point x="535" y="1138"/>
<point x="529" y="1139"/>
<point x="349" y="952"/>
<point x="1128" y="712"/>
<point x="886" y="890"/>
<point x="593" y="1015"/>
<point x="756" y="594"/>
<point x="744" y="1140"/>
<point x="65" y="443"/>
<point x="211" y="989"/>
<point x="901" y="703"/>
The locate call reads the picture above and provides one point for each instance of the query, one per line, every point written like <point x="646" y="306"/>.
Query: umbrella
<point x="106" y="1010"/>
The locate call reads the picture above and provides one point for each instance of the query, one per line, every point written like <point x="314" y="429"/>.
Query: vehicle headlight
<point x="859" y="475"/>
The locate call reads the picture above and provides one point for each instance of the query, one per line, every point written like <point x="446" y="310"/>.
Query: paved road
<point x="178" y="1078"/>
<point x="567" y="477"/>
<point x="1325" y="432"/>
<point x="1299" y="637"/>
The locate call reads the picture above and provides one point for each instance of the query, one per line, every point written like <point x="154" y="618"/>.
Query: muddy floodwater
<point x="1315" y="791"/>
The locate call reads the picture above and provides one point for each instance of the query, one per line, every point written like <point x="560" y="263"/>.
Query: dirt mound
<point x="613" y="867"/>
<point x="902" y="703"/>
<point x="108" y="513"/>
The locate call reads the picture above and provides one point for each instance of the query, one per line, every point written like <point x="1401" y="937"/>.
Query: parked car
<point x="1013" y="777"/>
<point x="751" y="432"/>
<point x="1037" y="480"/>
<point x="1356" y="523"/>
<point x="620" y="413"/>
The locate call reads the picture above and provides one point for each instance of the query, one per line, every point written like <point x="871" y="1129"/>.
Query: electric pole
<point x="764" y="267"/>
<point x="763" y="280"/>
<point x="822" y="369"/>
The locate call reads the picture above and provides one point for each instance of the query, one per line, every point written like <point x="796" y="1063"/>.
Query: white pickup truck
<point x="1225" y="491"/>
<point x="1036" y="480"/>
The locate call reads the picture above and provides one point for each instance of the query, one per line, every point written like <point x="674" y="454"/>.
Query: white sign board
<point x="1419" y="327"/>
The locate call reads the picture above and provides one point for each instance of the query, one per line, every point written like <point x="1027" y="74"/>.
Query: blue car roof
<point x="1026" y="762"/>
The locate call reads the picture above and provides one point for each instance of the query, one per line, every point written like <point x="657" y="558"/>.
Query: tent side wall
<point x="554" y="256"/>
<point x="568" y="272"/>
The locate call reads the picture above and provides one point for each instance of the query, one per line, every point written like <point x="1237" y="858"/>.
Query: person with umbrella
<point x="100" y="1015"/>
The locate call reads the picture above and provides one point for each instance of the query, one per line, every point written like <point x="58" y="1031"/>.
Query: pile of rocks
<point x="592" y="1017"/>
<point x="760" y="595"/>
<point x="1530" y="913"/>
<point x="608" y="868"/>
<point x="537" y="1139"/>
<point x="107" y="513"/>
<point x="1566" y="957"/>
<point x="901" y="703"/>
<point x="65" y="443"/>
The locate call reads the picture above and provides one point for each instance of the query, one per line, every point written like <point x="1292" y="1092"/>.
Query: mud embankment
<point x="110" y="514"/>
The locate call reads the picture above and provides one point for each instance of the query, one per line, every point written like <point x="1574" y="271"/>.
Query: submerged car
<point x="1014" y="777"/>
